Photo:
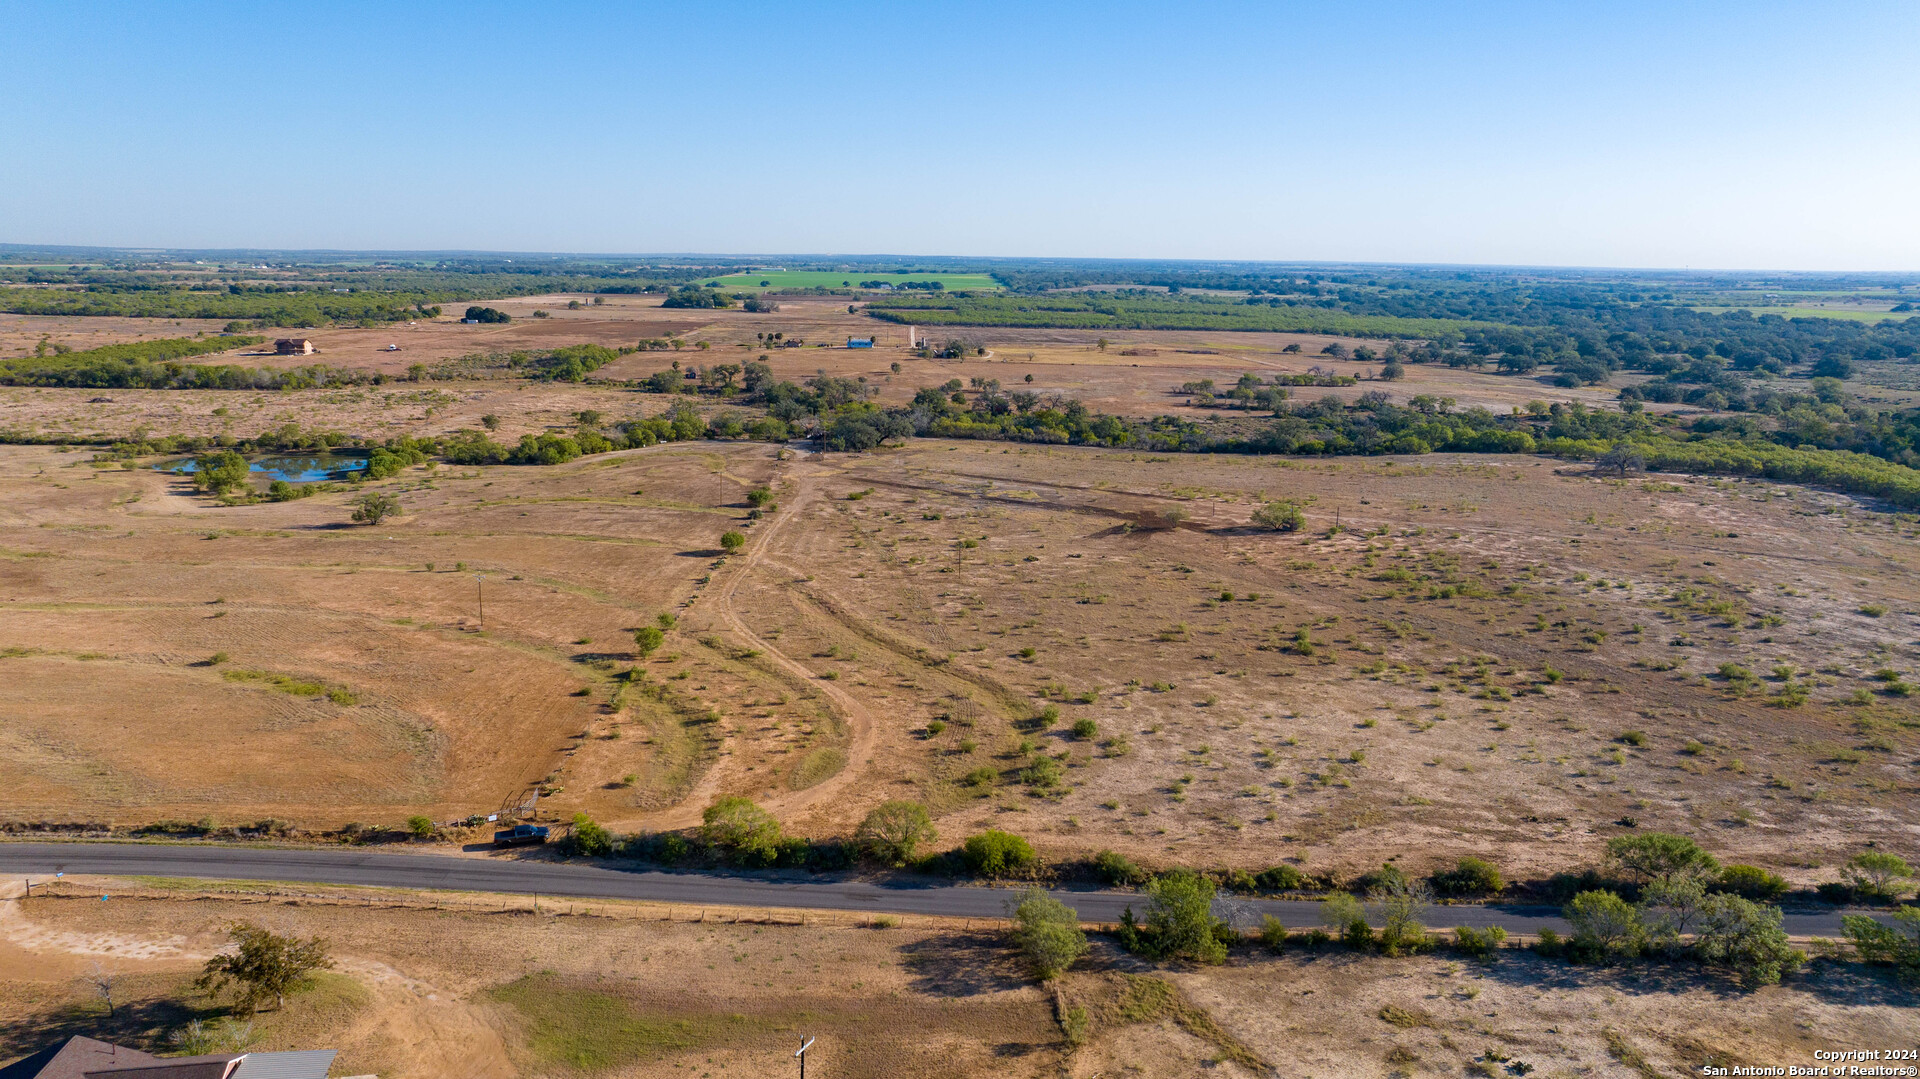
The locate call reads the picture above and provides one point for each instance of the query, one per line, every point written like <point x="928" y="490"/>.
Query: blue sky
<point x="1754" y="135"/>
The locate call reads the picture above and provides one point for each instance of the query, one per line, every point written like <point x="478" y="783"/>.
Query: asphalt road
<point x="521" y="875"/>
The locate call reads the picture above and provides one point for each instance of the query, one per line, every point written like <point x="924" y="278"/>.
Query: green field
<point x="1850" y="315"/>
<point x="773" y="279"/>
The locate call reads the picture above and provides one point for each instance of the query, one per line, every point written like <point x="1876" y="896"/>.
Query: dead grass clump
<point x="1405" y="1017"/>
<point x="1144" y="999"/>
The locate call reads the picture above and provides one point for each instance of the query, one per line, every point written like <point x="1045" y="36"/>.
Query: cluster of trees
<point x="1104" y="311"/>
<point x="137" y="364"/>
<point x="695" y="296"/>
<point x="487" y="314"/>
<point x="573" y="363"/>
<point x="318" y="306"/>
<point x="681" y="423"/>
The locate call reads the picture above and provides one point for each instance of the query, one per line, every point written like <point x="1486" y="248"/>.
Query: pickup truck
<point x="520" y="835"/>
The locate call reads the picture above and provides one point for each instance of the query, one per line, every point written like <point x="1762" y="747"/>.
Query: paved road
<point x="519" y="875"/>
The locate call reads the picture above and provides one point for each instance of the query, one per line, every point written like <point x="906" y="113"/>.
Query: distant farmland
<point x="776" y="279"/>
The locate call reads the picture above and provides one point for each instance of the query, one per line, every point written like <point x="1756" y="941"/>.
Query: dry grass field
<point x="1484" y="634"/>
<point x="454" y="987"/>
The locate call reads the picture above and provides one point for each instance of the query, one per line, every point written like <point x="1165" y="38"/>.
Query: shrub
<point x="1044" y="773"/>
<point x="646" y="639"/>
<point x="1472" y="876"/>
<point x="1480" y="944"/>
<point x="1180" y="918"/>
<point x="1896" y="945"/>
<point x="1085" y="728"/>
<point x="994" y="854"/>
<point x="759" y="497"/>
<point x="1387" y="877"/>
<point x="732" y="540"/>
<point x="1604" y="926"/>
<point x="587" y="838"/>
<point x="1751" y="882"/>
<point x="1282" y="878"/>
<point x="1876" y="876"/>
<point x="1280" y="516"/>
<point x="1343" y="914"/>
<point x="742" y="829"/>
<point x="1047" y="932"/>
<point x="1273" y="934"/>
<point x="1400" y="909"/>
<point x="1746" y="937"/>
<point x="1670" y="908"/>
<point x="1118" y="869"/>
<point x="375" y="506"/>
<point x="1634" y="738"/>
<point x="892" y="831"/>
<point x="1660" y="855"/>
<point x="419" y="825"/>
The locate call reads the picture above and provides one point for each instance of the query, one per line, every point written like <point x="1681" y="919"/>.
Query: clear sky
<point x="1622" y="133"/>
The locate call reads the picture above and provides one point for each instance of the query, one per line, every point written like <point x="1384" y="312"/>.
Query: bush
<point x="1180" y="918"/>
<point x="1897" y="945"/>
<point x="1660" y="855"/>
<point x="1472" y="876"/>
<point x="892" y="831"/>
<point x="1876" y="876"/>
<point x="1043" y="772"/>
<point x="1085" y="728"/>
<point x="742" y="829"/>
<point x="1282" y="878"/>
<point x="420" y="826"/>
<point x="1273" y="934"/>
<point x="646" y="639"/>
<point x="1747" y="938"/>
<point x="1751" y="882"/>
<point x="1047" y="932"/>
<point x="1280" y="516"/>
<point x="1400" y="909"/>
<point x="982" y="776"/>
<point x="1118" y="869"/>
<point x="375" y="506"/>
<point x="994" y="854"/>
<point x="731" y="541"/>
<point x="1343" y="914"/>
<point x="1605" y="926"/>
<point x="1480" y="944"/>
<point x="587" y="839"/>
<point x="1387" y="877"/>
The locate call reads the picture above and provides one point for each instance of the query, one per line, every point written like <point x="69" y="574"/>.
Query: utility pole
<point x="479" y="591"/>
<point x="802" y="1054"/>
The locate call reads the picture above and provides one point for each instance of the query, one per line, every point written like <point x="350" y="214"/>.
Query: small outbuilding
<point x="859" y="342"/>
<point x="293" y="346"/>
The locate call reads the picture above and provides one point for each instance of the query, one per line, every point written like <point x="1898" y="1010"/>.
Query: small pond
<point x="292" y="467"/>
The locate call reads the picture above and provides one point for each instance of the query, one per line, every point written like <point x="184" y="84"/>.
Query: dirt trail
<point x="861" y="727"/>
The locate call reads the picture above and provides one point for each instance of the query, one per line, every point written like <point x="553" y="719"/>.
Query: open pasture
<point x="1448" y="659"/>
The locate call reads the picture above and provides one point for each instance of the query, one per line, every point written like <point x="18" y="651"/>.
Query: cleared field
<point x="776" y="279"/>
<point x="455" y="987"/>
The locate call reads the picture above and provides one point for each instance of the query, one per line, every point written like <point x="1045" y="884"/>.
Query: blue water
<point x="294" y="468"/>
